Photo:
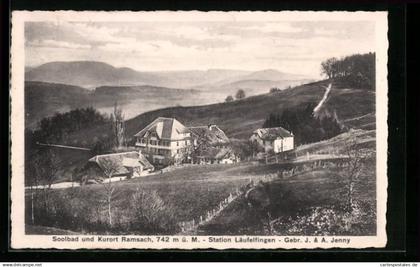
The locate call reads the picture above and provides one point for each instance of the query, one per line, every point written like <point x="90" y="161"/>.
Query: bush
<point x="150" y="214"/>
<point x="330" y="220"/>
<point x="65" y="210"/>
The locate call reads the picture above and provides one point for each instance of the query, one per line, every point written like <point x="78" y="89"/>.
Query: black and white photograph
<point x="199" y="129"/>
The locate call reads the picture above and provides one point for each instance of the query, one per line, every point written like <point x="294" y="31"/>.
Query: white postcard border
<point x="20" y="240"/>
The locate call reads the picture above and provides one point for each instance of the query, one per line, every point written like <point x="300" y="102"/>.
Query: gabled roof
<point x="165" y="128"/>
<point x="273" y="133"/>
<point x="212" y="133"/>
<point x="122" y="161"/>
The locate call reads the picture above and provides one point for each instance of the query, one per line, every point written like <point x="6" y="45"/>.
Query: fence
<point x="296" y="170"/>
<point x="209" y="215"/>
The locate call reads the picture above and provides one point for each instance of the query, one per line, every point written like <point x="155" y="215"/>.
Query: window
<point x="177" y="143"/>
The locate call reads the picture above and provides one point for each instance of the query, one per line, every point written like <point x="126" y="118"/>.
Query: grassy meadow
<point x="186" y="193"/>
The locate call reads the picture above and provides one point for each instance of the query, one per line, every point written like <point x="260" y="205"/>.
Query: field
<point x="187" y="192"/>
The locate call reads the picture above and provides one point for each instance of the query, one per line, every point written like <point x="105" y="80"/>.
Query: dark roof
<point x="273" y="133"/>
<point x="165" y="128"/>
<point x="118" y="159"/>
<point x="213" y="134"/>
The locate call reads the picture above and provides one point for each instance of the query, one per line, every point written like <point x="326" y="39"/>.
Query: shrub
<point x="330" y="220"/>
<point x="150" y="214"/>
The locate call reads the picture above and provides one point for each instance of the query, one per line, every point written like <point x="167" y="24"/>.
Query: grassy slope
<point x="290" y="196"/>
<point x="189" y="192"/>
<point x="239" y="118"/>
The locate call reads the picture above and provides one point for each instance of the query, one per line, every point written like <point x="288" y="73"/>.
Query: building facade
<point x="275" y="140"/>
<point x="163" y="141"/>
<point x="166" y="141"/>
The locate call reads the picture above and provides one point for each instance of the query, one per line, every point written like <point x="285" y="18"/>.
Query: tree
<point x="47" y="166"/>
<point x="151" y="214"/>
<point x="109" y="168"/>
<point x="44" y="169"/>
<point x="118" y="126"/>
<point x="254" y="148"/>
<point x="229" y="98"/>
<point x="355" y="71"/>
<point x="59" y="127"/>
<point x="352" y="173"/>
<point x="199" y="143"/>
<point x="240" y="94"/>
<point x="274" y="90"/>
<point x="329" y="67"/>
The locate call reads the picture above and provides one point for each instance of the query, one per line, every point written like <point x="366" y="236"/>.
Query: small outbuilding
<point x="128" y="164"/>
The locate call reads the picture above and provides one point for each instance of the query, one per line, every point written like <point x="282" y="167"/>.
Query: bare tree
<point x="43" y="169"/>
<point x="34" y="179"/>
<point x="109" y="168"/>
<point x="118" y="126"/>
<point x="352" y="173"/>
<point x="199" y="143"/>
<point x="47" y="166"/>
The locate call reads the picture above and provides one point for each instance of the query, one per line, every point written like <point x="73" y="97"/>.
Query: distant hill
<point x="87" y="74"/>
<point x="272" y="75"/>
<point x="239" y="118"/>
<point x="44" y="99"/>
<point x="91" y="74"/>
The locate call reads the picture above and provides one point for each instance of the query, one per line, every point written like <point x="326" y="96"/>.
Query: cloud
<point x="288" y="46"/>
<point x="276" y="27"/>
<point x="57" y="44"/>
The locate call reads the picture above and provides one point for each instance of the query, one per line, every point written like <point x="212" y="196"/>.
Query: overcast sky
<point x="294" y="47"/>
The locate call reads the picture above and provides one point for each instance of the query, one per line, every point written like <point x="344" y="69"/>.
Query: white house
<point x="275" y="139"/>
<point x="164" y="140"/>
<point x="167" y="141"/>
